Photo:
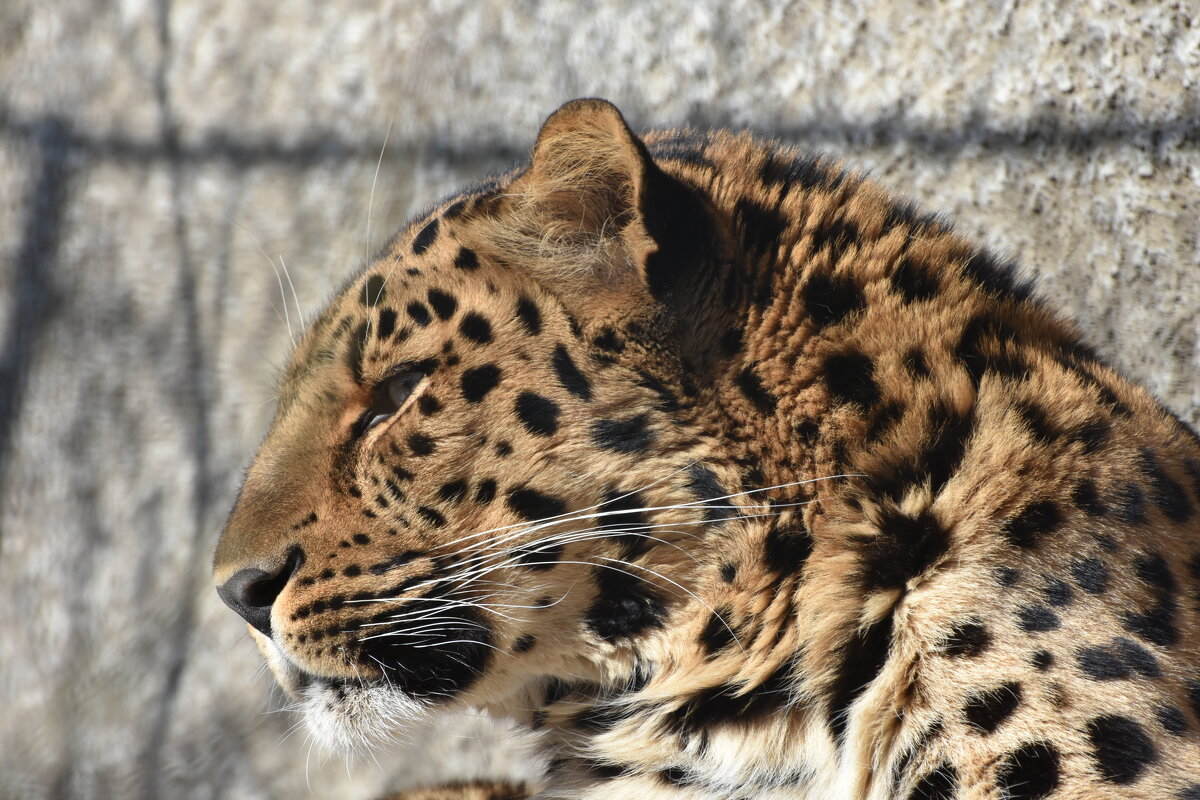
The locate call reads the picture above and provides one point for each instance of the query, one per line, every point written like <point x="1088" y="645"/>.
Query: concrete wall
<point x="160" y="160"/>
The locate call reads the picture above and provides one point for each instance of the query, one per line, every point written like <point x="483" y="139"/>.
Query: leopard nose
<point x="252" y="591"/>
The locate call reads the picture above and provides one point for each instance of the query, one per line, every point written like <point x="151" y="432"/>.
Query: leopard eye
<point x="389" y="397"/>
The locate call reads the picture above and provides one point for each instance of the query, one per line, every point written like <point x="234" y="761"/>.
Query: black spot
<point x="1118" y="660"/>
<point x="1035" y="521"/>
<point x="805" y="171"/>
<point x="432" y="516"/>
<point x="761" y="227"/>
<point x="1192" y="466"/>
<point x="1189" y="792"/>
<point x="1154" y="570"/>
<point x="997" y="278"/>
<point x="531" y="318"/>
<point x="732" y="703"/>
<point x="1093" y="435"/>
<point x="625" y="605"/>
<point x="623" y="436"/>
<point x="937" y="785"/>
<point x="966" y="640"/>
<point x="786" y="548"/>
<point x="428" y="404"/>
<point x="569" y="375"/>
<point x="387" y="323"/>
<point x="1034" y="419"/>
<point x="1167" y="495"/>
<point x="425" y="237"/>
<point x="352" y="571"/>
<point x="608" y="340"/>
<point x="829" y="300"/>
<point x="944" y="448"/>
<point x="1090" y="574"/>
<point x="453" y="492"/>
<point x="1172" y="720"/>
<point x="354" y="351"/>
<point x="361" y="538"/>
<point x="539" y="556"/>
<point x="524" y="643"/>
<point x="1042" y="660"/>
<point x="1129" y="502"/>
<point x="539" y="415"/>
<point x="988" y="709"/>
<point x="1087" y="499"/>
<point x="731" y="341"/>
<point x="688" y="148"/>
<point x="532" y="505"/>
<point x="728" y="572"/>
<point x="466" y="259"/>
<point x="373" y="291"/>
<point x="1029" y="773"/>
<point x="1058" y="592"/>
<point x="904" y="548"/>
<point x="485" y="492"/>
<point x="752" y="387"/>
<point x="861" y="660"/>
<point x="475" y="327"/>
<point x="419" y="313"/>
<point x="1120" y="748"/>
<point x="884" y="421"/>
<point x="420" y="444"/>
<point x="503" y="449"/>
<point x="621" y="517"/>
<point x="444" y="305"/>
<point x="1038" y="619"/>
<point x="395" y="562"/>
<point x="913" y="283"/>
<point x="478" y="381"/>
<point x="713" y="497"/>
<point x="1156" y="625"/>
<point x="717" y="633"/>
<point x="915" y="364"/>
<point x="987" y="345"/>
<point x="850" y="379"/>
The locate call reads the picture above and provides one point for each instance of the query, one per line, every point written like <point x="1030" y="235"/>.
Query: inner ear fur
<point x="593" y="212"/>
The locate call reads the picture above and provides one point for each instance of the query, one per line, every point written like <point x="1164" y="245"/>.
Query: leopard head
<point x="493" y="457"/>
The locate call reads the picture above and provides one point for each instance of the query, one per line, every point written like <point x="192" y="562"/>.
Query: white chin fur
<point x="350" y="718"/>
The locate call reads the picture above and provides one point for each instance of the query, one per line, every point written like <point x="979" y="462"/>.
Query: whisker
<point x="371" y="199"/>
<point x="295" y="296"/>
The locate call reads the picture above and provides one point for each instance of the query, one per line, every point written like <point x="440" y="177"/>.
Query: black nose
<point x="251" y="592"/>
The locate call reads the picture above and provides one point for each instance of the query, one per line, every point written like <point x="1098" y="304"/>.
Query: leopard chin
<point x="343" y="715"/>
<point x="348" y="717"/>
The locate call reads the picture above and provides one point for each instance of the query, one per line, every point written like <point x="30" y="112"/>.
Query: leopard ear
<point x="593" y="202"/>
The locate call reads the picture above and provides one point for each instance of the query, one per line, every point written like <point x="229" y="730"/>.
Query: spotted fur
<point x="736" y="477"/>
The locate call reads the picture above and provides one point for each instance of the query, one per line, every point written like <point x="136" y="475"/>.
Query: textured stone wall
<point x="160" y="162"/>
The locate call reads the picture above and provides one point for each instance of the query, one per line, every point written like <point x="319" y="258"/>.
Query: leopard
<point x="732" y="475"/>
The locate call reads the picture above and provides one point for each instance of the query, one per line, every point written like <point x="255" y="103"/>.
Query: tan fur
<point x="976" y="578"/>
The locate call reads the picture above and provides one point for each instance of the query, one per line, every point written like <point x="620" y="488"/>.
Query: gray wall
<point x="157" y="157"/>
